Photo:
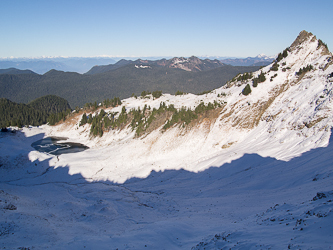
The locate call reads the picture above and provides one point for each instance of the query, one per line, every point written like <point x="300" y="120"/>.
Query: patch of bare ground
<point x="227" y="116"/>
<point x="249" y="116"/>
<point x="301" y="38"/>
<point x="73" y="118"/>
<point x="158" y="121"/>
<point x="253" y="118"/>
<point x="210" y="115"/>
<point x="300" y="77"/>
<point x="227" y="145"/>
<point x="314" y="122"/>
<point x="269" y="118"/>
<point x="204" y="120"/>
<point x="329" y="63"/>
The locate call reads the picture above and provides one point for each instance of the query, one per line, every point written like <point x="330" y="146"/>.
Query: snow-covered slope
<point x="288" y="112"/>
<point x="256" y="174"/>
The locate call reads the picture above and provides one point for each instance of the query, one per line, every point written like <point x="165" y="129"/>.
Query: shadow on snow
<point x="220" y="194"/>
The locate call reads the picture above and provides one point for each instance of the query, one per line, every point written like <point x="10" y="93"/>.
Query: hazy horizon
<point x="119" y="57"/>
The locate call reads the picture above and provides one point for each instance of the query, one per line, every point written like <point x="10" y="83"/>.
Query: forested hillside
<point x="40" y="111"/>
<point x="14" y="71"/>
<point x="121" y="82"/>
<point x="50" y="104"/>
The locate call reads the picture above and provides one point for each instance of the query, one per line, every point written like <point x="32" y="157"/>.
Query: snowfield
<point x="259" y="176"/>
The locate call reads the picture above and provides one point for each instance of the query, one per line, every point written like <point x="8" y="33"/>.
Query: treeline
<point x="106" y="103"/>
<point x="282" y="55"/>
<point x="261" y="78"/>
<point x="141" y="119"/>
<point x="304" y="70"/>
<point x="103" y="121"/>
<point x="145" y="94"/>
<point x="245" y="76"/>
<point x="40" y="111"/>
<point x="186" y="115"/>
<point x="57" y="117"/>
<point x="156" y="94"/>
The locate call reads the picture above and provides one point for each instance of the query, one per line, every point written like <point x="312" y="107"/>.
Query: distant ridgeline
<point x="45" y="109"/>
<point x="190" y="75"/>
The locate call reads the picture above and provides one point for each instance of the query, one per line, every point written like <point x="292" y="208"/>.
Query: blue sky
<point x="236" y="28"/>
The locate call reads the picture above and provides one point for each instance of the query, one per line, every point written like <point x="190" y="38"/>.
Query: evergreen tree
<point x="246" y="90"/>
<point x="84" y="119"/>
<point x="275" y="67"/>
<point x="90" y="119"/>
<point x="262" y="77"/>
<point x="19" y="123"/>
<point x="157" y="94"/>
<point x="279" y="57"/>
<point x="95" y="106"/>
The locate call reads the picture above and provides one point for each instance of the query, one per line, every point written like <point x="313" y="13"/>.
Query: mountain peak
<point x="304" y="38"/>
<point x="301" y="38"/>
<point x="263" y="57"/>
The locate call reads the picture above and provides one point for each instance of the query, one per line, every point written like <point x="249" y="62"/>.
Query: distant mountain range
<point x="122" y="79"/>
<point x="192" y="63"/>
<point x="260" y="60"/>
<point x="84" y="64"/>
<point x="14" y="71"/>
<point x="42" y="65"/>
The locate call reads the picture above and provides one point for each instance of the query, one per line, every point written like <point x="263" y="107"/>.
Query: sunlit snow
<point x="222" y="184"/>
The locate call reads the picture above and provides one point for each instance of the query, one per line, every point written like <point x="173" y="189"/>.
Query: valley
<point x="233" y="169"/>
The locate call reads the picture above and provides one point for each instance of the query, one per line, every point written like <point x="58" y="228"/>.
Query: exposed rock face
<point x="302" y="37"/>
<point x="308" y="36"/>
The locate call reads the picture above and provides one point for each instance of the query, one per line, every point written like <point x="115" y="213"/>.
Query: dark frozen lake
<point x="50" y="145"/>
